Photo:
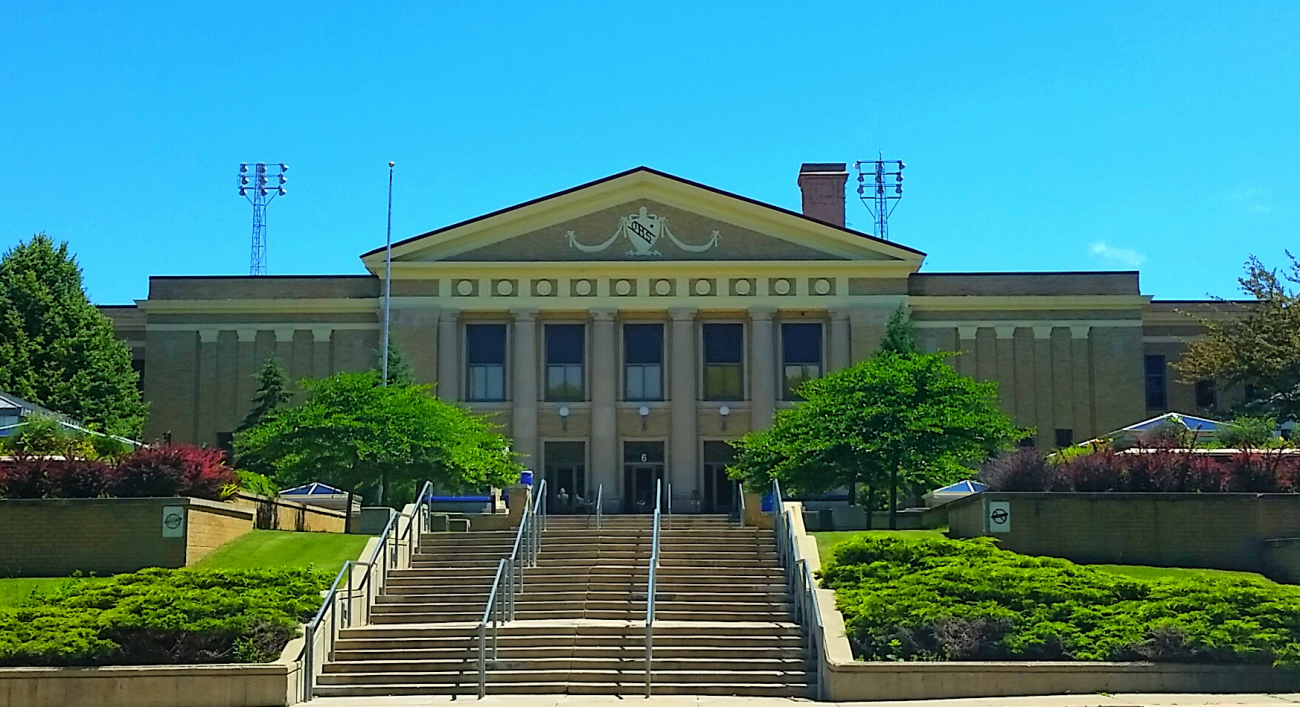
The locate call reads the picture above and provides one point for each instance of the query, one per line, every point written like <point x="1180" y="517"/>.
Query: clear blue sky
<point x="1038" y="136"/>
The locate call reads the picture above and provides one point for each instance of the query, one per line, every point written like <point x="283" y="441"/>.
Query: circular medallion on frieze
<point x="822" y="287"/>
<point x="582" y="287"/>
<point x="663" y="288"/>
<point x="465" y="288"/>
<point x="543" y="288"/>
<point x="623" y="287"/>
<point x="505" y="288"/>
<point x="703" y="287"/>
<point x="781" y="287"/>
<point x="740" y="287"/>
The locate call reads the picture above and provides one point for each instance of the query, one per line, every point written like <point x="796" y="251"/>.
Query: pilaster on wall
<point x="524" y="363"/>
<point x="416" y="332"/>
<point x="682" y="408"/>
<point x="762" y="346"/>
<point x="867" y="330"/>
<point x="604" y="384"/>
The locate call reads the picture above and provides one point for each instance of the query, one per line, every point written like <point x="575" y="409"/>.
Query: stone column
<point x="867" y="330"/>
<point x="206" y="424"/>
<point x="320" y="352"/>
<point x="685" y="435"/>
<point x="448" y="357"/>
<point x="524" y="364"/>
<point x="762" y="346"/>
<point x="246" y="372"/>
<point x="968" y="352"/>
<point x="1082" y="388"/>
<point x="1045" y="420"/>
<point x="604" y="392"/>
<point x="840" y="340"/>
<point x="1006" y="357"/>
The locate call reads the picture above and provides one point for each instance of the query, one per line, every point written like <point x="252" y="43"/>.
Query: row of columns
<point x="603" y="366"/>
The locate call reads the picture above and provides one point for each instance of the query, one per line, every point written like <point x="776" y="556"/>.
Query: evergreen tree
<point x="899" y="337"/>
<point x="399" y="371"/>
<point x="56" y="348"/>
<point x="272" y="392"/>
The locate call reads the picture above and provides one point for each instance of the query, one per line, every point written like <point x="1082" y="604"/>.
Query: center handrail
<point x="386" y="556"/>
<point x="651" y="589"/>
<point x="509" y="580"/>
<point x="600" y="504"/>
<point x="740" y="502"/>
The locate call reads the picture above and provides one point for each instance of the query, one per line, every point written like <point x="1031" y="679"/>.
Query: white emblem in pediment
<point x="643" y="230"/>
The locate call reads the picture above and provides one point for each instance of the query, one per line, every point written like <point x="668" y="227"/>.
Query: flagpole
<point x="388" y="271"/>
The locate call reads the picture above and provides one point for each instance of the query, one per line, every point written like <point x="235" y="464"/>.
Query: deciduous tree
<point x="894" y="417"/>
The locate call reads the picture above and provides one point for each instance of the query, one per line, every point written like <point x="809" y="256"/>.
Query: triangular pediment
<point x="644" y="216"/>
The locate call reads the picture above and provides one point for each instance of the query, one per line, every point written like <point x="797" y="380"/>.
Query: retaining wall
<point x="1210" y="530"/>
<point x="56" y="537"/>
<point x="280" y="514"/>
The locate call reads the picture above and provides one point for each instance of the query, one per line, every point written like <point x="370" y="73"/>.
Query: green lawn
<point x="827" y="539"/>
<point x="1145" y="572"/>
<point x="278" y="548"/>
<point x="15" y="590"/>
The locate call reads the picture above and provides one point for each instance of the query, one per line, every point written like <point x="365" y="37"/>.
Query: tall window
<point x="643" y="361"/>
<point x="724" y="362"/>
<point x="1206" y="395"/>
<point x="1157" y="399"/>
<point x="801" y="348"/>
<point x="485" y="362"/>
<point x="564" y="355"/>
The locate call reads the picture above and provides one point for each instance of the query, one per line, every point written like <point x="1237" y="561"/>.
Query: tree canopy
<point x="351" y="431"/>
<point x="56" y="348"/>
<point x="893" y="417"/>
<point x="899" y="336"/>
<point x="399" y="370"/>
<point x="1255" y="344"/>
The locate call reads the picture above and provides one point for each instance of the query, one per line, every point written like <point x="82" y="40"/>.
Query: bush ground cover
<point x="282" y="549"/>
<point x="828" y="539"/>
<point x="927" y="599"/>
<point x="159" y="616"/>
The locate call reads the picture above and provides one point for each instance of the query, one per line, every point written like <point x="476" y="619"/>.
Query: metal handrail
<point x="652" y="586"/>
<point x="740" y="494"/>
<point x="500" y="606"/>
<point x="379" y="563"/>
<point x="817" y="628"/>
<point x="668" y="501"/>
<point x="600" y="504"/>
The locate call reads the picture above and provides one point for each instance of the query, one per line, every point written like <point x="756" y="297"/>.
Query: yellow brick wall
<point x="210" y="525"/>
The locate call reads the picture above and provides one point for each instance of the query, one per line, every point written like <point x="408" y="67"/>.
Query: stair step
<point x="633" y="672"/>
<point x="469" y="686"/>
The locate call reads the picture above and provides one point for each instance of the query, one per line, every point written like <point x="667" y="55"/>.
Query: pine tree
<point x="899" y="337"/>
<point x="272" y="392"/>
<point x="56" y="348"/>
<point x="399" y="371"/>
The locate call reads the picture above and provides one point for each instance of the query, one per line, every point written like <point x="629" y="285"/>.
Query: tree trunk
<point x="871" y="497"/>
<point x="893" y="498"/>
<point x="347" y="515"/>
<point x="383" y="486"/>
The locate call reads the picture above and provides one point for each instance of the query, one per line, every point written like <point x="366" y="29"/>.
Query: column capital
<point x="839" y="314"/>
<point x="283" y="334"/>
<point x="762" y="314"/>
<point x="603" y="315"/>
<point x="682" y="314"/>
<point x="869" y="315"/>
<point x="246" y="334"/>
<point x="208" y="336"/>
<point x="524" y="315"/>
<point x="1043" y="331"/>
<point x="967" y="333"/>
<point x="1005" y="332"/>
<point x="321" y="333"/>
<point x="1079" y="331"/>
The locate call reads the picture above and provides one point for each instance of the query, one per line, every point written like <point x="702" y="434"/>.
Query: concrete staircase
<point x="722" y="626"/>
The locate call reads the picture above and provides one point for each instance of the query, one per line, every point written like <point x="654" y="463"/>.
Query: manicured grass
<point x="15" y="590"/>
<point x="1145" y="572"/>
<point x="279" y="549"/>
<point x="827" y="539"/>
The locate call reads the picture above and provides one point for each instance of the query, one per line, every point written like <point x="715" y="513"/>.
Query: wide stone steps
<point x="663" y="613"/>
<point x="629" y="683"/>
<point x="569" y="593"/>
<point x="624" y="660"/>
<point x="468" y="649"/>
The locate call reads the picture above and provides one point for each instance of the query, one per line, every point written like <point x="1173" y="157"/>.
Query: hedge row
<point x="968" y="600"/>
<point x="1156" y="469"/>
<point x="165" y="470"/>
<point x="162" y="617"/>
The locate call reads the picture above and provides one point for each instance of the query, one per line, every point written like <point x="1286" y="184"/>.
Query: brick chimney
<point x="822" y="184"/>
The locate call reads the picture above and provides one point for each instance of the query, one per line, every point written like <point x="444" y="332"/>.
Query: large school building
<point x="623" y="330"/>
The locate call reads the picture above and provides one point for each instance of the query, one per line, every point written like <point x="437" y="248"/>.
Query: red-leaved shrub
<point x="79" y="478"/>
<point x="172" y="470"/>
<point x="1153" y="470"/>
<point x="1021" y="470"/>
<point x="25" y="477"/>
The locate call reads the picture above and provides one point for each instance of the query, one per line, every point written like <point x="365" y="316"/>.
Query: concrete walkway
<point x="1119" y="700"/>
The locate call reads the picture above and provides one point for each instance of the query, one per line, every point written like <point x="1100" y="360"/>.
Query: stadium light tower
<point x="884" y="197"/>
<point x="264" y="184"/>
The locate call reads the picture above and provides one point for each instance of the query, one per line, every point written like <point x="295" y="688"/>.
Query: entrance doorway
<point x="719" y="491"/>
<point x="643" y="466"/>
<point x="565" y="471"/>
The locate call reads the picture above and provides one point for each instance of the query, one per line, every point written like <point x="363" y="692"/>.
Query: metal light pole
<point x="882" y="202"/>
<point x="388" y="271"/>
<point x="263" y="194"/>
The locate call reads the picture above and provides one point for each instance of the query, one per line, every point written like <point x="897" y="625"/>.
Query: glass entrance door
<point x="643" y="466"/>
<point x="566" y="479"/>
<point x="719" y="490"/>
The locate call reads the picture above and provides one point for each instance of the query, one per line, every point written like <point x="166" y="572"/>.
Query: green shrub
<point x="159" y="616"/>
<point x="253" y="482"/>
<point x="968" y="600"/>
